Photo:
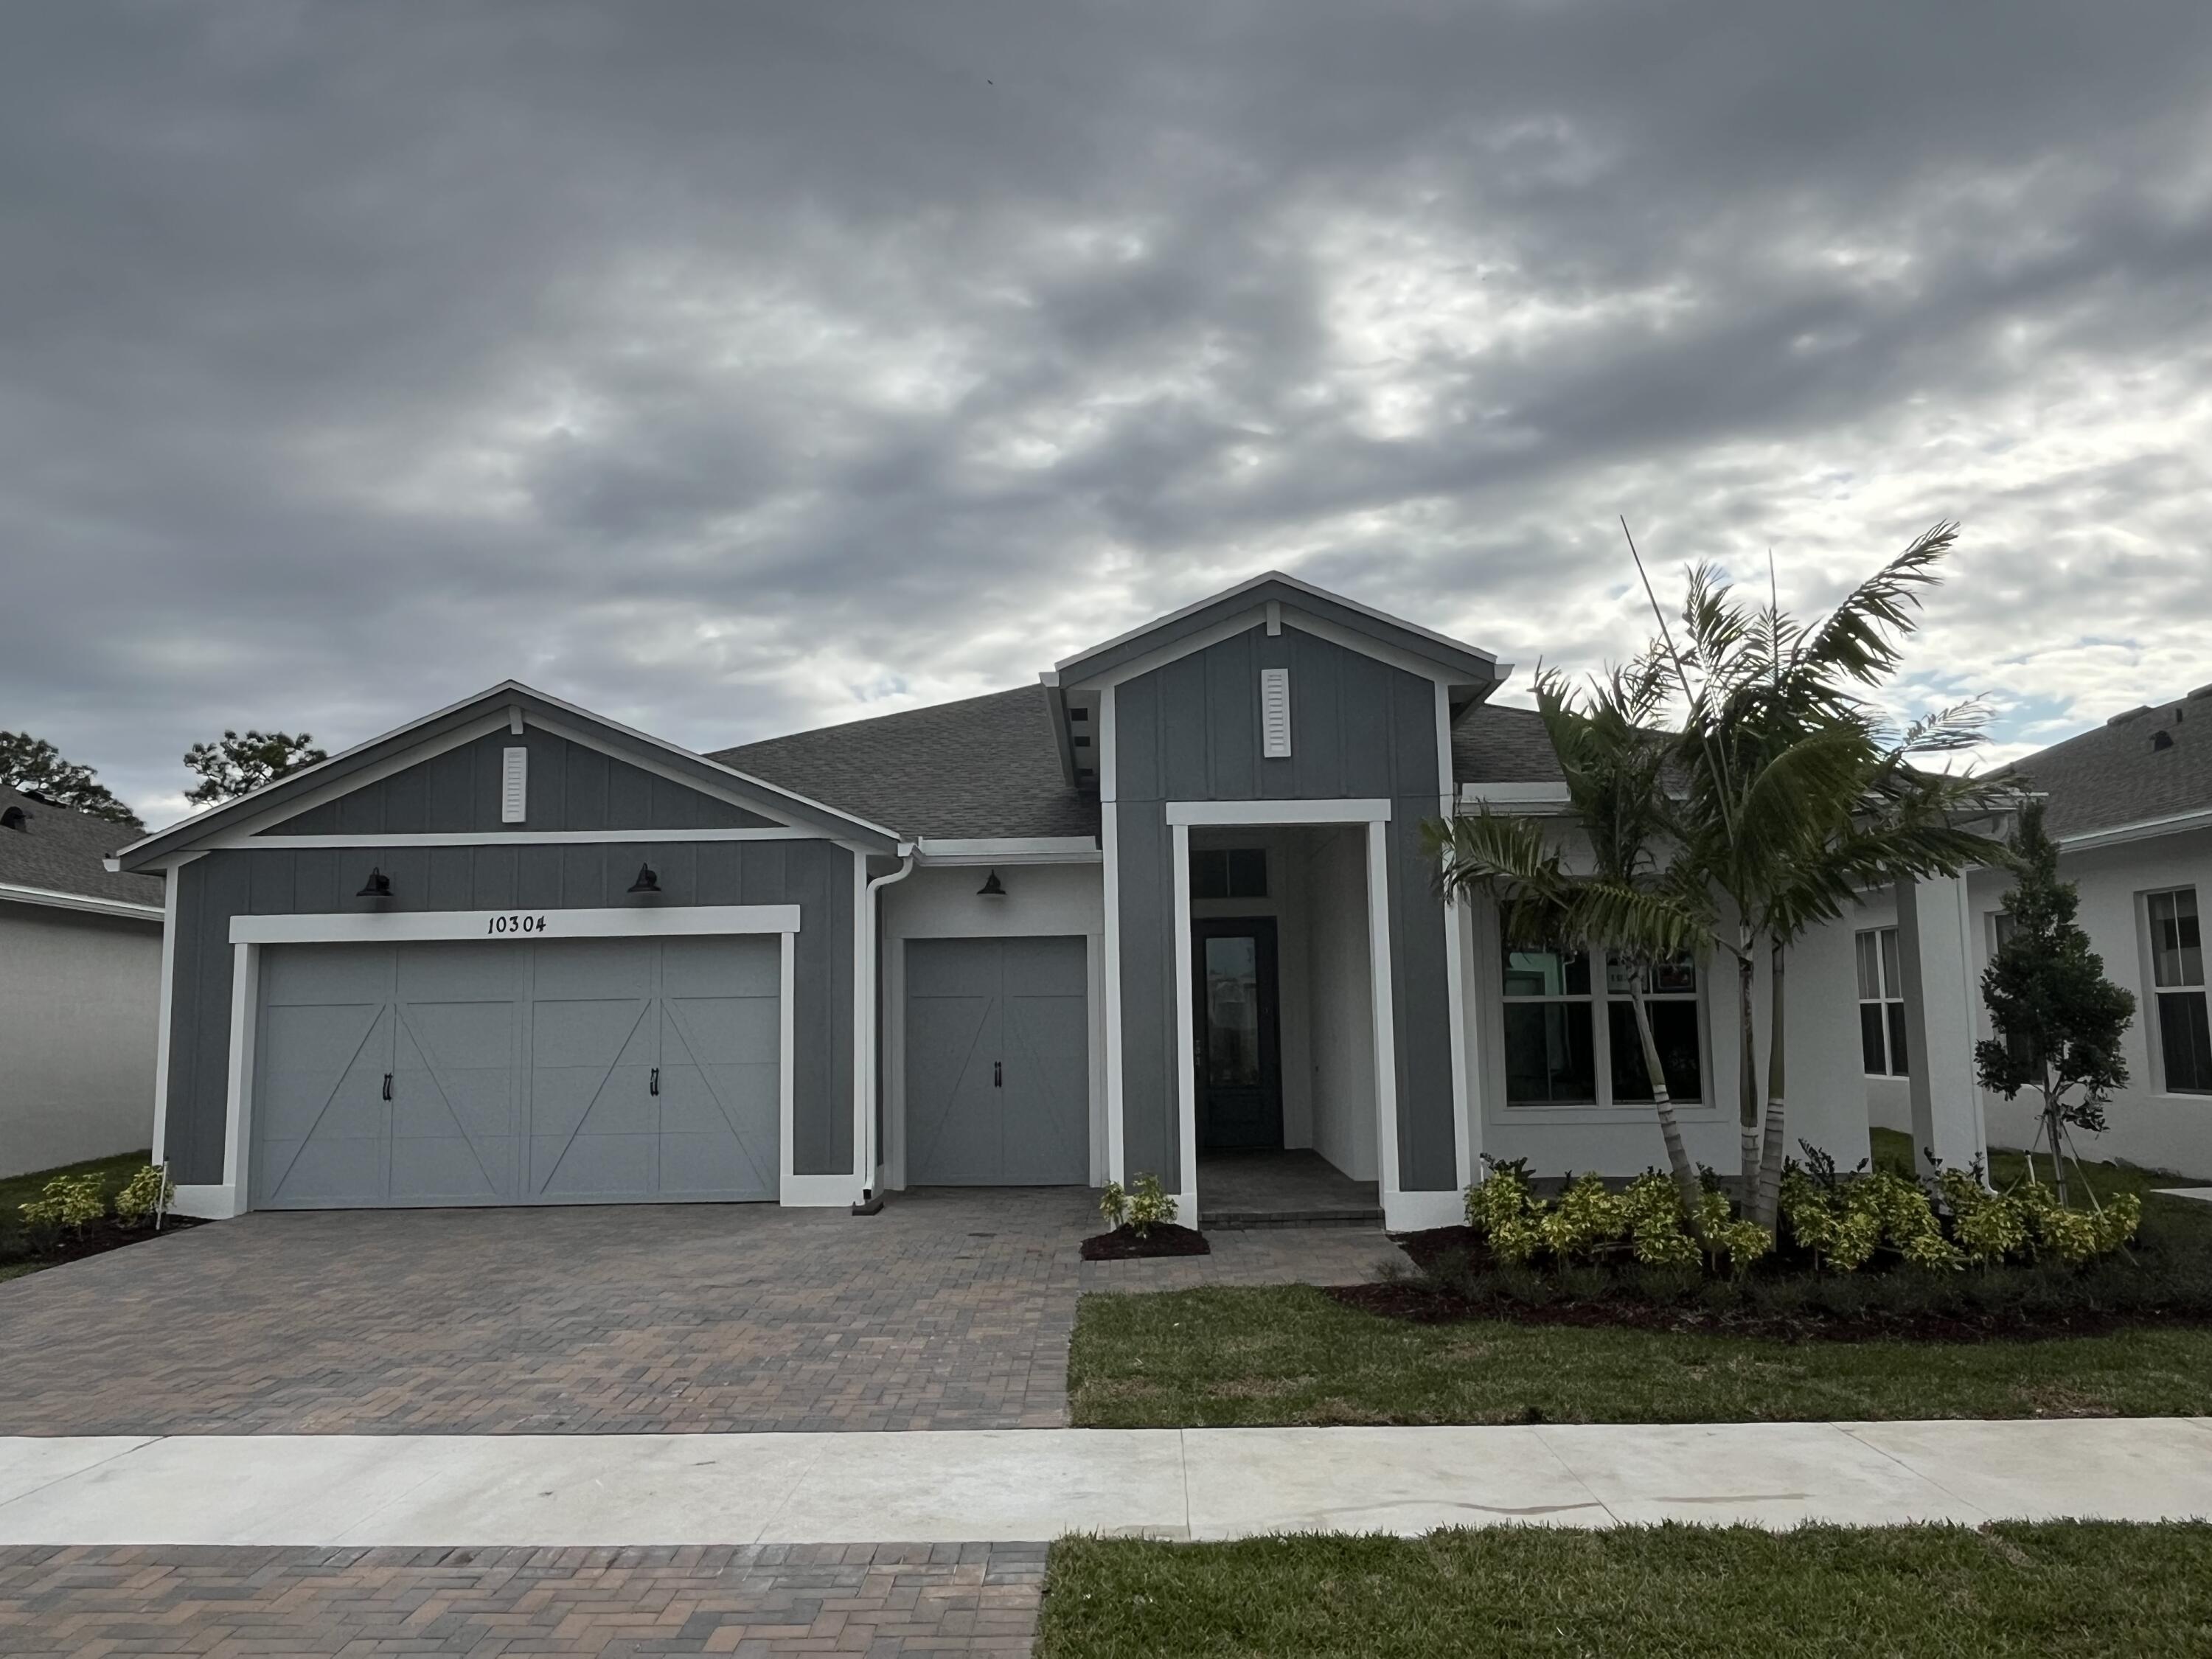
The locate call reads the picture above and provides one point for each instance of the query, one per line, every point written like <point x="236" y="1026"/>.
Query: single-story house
<point x="80" y="988"/>
<point x="1166" y="905"/>
<point x="2129" y="804"/>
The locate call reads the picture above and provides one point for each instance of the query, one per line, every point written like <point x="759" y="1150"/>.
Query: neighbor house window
<point x="1881" y="1004"/>
<point x="1559" y="1053"/>
<point x="2177" y="971"/>
<point x="1235" y="873"/>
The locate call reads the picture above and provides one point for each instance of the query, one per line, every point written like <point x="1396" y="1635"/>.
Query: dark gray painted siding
<point x="817" y="876"/>
<point x="1359" y="729"/>
<point x="571" y="787"/>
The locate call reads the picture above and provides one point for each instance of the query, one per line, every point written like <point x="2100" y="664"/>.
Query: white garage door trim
<point x="250" y="935"/>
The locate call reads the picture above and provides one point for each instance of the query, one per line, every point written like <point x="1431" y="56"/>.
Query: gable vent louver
<point x="1275" y="713"/>
<point x="514" y="786"/>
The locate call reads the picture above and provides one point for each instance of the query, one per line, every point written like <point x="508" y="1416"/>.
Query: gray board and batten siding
<point x="1361" y="729"/>
<point x="573" y="786"/>
<point x="816" y="875"/>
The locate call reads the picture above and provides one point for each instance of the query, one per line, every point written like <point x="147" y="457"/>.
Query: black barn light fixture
<point x="648" y="880"/>
<point x="378" y="885"/>
<point x="992" y="887"/>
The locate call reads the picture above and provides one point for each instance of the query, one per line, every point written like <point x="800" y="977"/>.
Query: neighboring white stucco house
<point x="2130" y="805"/>
<point x="80" y="989"/>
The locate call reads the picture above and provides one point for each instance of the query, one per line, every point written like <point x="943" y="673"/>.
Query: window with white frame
<point x="2177" y="972"/>
<point x="1558" y="1052"/>
<point x="1881" y="1004"/>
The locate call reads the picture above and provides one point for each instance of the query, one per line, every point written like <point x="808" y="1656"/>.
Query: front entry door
<point x="1240" y="1082"/>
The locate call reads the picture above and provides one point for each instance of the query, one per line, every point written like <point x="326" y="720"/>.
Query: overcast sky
<point x="735" y="368"/>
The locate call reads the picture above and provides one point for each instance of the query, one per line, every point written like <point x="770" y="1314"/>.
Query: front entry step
<point x="1228" y="1219"/>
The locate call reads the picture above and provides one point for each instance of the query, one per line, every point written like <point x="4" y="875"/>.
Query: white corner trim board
<point x="1243" y="813"/>
<point x="520" y="924"/>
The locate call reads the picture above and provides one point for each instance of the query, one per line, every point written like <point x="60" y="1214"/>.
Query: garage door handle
<point x="387" y="1085"/>
<point x="653" y="1087"/>
<point x="998" y="1074"/>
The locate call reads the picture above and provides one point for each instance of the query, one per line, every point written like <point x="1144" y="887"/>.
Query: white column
<point x="1186" y="1035"/>
<point x="1935" y="954"/>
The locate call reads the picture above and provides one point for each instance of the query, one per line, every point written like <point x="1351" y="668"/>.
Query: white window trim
<point x="1890" y="994"/>
<point x="1605" y="1110"/>
<point x="2154" y="1023"/>
<point x="250" y="935"/>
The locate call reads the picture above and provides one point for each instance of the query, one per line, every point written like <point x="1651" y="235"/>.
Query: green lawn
<point x="1289" y="1354"/>
<point x="2043" y="1590"/>
<point x="16" y="1190"/>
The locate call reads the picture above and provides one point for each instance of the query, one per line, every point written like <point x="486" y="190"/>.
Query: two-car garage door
<point x="592" y="1071"/>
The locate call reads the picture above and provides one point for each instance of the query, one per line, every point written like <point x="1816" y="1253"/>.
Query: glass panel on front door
<point x="1232" y="1012"/>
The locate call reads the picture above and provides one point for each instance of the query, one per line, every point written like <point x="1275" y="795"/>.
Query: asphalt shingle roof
<point x="1492" y="742"/>
<point x="61" y="851"/>
<point x="984" y="766"/>
<point x="2118" y="774"/>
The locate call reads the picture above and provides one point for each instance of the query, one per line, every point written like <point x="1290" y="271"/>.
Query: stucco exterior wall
<point x="80" y="1008"/>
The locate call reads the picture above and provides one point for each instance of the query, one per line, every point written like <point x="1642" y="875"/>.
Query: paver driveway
<point x="949" y="1311"/>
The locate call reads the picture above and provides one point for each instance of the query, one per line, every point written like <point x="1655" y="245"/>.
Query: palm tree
<point x="1630" y="902"/>
<point x="1797" y="795"/>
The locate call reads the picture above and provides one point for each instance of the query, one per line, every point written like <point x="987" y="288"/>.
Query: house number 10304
<point x="514" y="924"/>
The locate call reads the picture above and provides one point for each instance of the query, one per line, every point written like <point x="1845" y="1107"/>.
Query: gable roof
<point x="1469" y="664"/>
<point x="2116" y="775"/>
<point x="554" y="713"/>
<point x="981" y="767"/>
<point x="61" y="851"/>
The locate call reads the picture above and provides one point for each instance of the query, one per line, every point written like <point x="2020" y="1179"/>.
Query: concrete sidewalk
<point x="618" y="1490"/>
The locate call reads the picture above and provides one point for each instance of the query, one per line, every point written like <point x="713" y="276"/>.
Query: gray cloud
<point x="731" y="369"/>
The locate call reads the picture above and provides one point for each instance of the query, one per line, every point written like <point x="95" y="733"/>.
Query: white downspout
<point x="872" y="1032"/>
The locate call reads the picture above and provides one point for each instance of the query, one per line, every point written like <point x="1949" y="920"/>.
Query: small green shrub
<point x="148" y="1192"/>
<point x="67" y="1204"/>
<point x="1141" y="1208"/>
<point x="1149" y="1206"/>
<point x="1589" y="1223"/>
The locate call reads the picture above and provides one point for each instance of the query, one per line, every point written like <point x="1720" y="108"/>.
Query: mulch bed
<point x="1427" y="1303"/>
<point x="1123" y="1244"/>
<point x="97" y="1239"/>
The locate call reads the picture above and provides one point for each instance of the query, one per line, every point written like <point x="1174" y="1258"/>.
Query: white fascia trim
<point x="1367" y="646"/>
<point x="99" y="907"/>
<point x="498" y="718"/>
<point x="240" y="833"/>
<point x="1514" y="794"/>
<point x="516" y="838"/>
<point x="1186" y="1037"/>
<point x="1240" y="813"/>
<point x="413" y="925"/>
<point x="1010" y="849"/>
<point x="748" y="797"/>
<point x="1261" y="581"/>
<point x="2143" y="829"/>
<point x="1227" y="628"/>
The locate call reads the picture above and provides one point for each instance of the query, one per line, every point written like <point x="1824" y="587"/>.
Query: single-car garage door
<point x="592" y="1071"/>
<point x="998" y="1068"/>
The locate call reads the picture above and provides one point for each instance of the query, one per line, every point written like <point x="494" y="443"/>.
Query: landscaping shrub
<point x="1140" y="1209"/>
<point x="146" y="1194"/>
<point x="1867" y="1252"/>
<point x="69" y="1204"/>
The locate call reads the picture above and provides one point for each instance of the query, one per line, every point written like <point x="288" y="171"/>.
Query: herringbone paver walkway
<point x="951" y="1309"/>
<point x="874" y="1599"/>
